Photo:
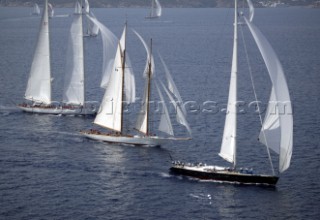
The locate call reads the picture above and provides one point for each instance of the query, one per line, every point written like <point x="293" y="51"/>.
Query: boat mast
<point x="123" y="66"/>
<point x="149" y="85"/>
<point x="235" y="69"/>
<point x="84" y="88"/>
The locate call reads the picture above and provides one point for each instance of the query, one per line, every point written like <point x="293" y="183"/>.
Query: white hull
<point x="58" y="111"/>
<point x="134" y="140"/>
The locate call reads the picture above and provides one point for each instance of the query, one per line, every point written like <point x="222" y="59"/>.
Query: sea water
<point x="49" y="171"/>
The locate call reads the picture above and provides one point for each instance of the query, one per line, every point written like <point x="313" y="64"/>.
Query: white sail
<point x="158" y="8"/>
<point x="150" y="58"/>
<point x="172" y="86"/>
<point x="86" y="7"/>
<point x="181" y="119"/>
<point x="270" y="134"/>
<point x="36" y="9"/>
<point x="74" y="80"/>
<point x="142" y="122"/>
<point x="50" y="10"/>
<point x="93" y="29"/>
<point x="251" y="10"/>
<point x="165" y="122"/>
<point x="280" y="93"/>
<point x="228" y="146"/>
<point x="110" y="113"/>
<point x="77" y="8"/>
<point x="109" y="41"/>
<point x="39" y="83"/>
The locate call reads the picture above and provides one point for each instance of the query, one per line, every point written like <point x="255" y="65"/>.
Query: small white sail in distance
<point x="36" y="9"/>
<point x="251" y="10"/>
<point x="281" y="125"/>
<point x="77" y="8"/>
<point x="51" y="10"/>
<point x="39" y="83"/>
<point x="86" y="7"/>
<point x="158" y="8"/>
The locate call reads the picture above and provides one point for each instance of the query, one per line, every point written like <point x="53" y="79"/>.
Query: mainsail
<point x="74" y="80"/>
<point x="110" y="114"/>
<point x="39" y="83"/>
<point x="277" y="129"/>
<point x="228" y="146"/>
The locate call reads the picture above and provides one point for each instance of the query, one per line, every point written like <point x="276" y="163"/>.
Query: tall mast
<point x="84" y="86"/>
<point x="123" y="74"/>
<point x="149" y="85"/>
<point x="235" y="70"/>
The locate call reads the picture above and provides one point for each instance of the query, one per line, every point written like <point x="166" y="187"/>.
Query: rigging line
<point x="256" y="97"/>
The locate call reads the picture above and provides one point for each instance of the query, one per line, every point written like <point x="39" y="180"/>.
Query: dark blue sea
<point x="49" y="171"/>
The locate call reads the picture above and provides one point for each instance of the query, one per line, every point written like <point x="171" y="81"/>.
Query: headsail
<point x="110" y="113"/>
<point x="172" y="86"/>
<point x="279" y="126"/>
<point x="110" y="42"/>
<point x="181" y="119"/>
<point x="165" y="122"/>
<point x="228" y="146"/>
<point x="74" y="79"/>
<point x="39" y="83"/>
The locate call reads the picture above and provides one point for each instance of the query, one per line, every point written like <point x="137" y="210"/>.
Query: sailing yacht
<point x="35" y="10"/>
<point x="277" y="128"/>
<point x="110" y="115"/>
<point x="39" y="84"/>
<point x="155" y="11"/>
